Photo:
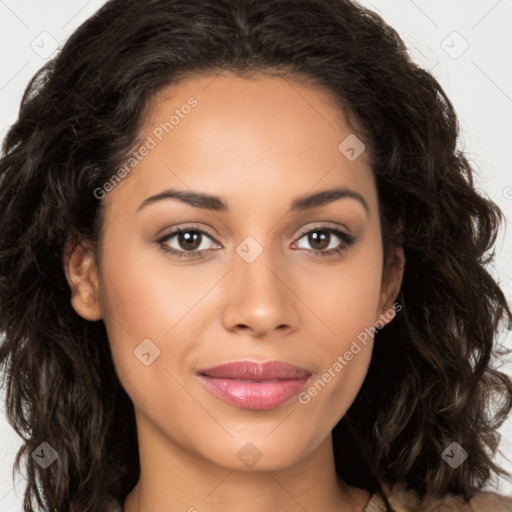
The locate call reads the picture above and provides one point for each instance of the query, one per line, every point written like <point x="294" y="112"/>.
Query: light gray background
<point x="465" y="43"/>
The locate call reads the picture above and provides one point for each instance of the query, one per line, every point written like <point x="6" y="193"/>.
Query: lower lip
<point x="252" y="394"/>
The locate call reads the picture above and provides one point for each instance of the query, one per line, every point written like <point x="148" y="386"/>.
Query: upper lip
<point x="250" y="370"/>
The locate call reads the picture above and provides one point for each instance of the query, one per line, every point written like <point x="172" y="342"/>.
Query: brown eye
<point x="319" y="240"/>
<point x="187" y="242"/>
<point x="322" y="241"/>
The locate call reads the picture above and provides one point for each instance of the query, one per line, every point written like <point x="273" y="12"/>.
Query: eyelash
<point x="347" y="240"/>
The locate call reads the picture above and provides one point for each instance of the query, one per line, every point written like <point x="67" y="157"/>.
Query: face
<point x="258" y="273"/>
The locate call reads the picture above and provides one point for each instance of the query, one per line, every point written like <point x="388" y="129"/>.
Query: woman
<point x="243" y="267"/>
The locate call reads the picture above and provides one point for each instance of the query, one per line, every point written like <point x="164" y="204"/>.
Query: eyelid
<point x="324" y="224"/>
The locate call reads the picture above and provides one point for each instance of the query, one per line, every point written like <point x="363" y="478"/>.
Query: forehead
<point x="260" y="100"/>
<point x="268" y="137"/>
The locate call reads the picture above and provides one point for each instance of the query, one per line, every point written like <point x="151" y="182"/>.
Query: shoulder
<point x="406" y="500"/>
<point x="482" y="501"/>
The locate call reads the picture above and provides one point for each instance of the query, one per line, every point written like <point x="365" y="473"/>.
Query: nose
<point x="259" y="297"/>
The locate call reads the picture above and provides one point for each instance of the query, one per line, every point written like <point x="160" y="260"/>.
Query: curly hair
<point x="431" y="379"/>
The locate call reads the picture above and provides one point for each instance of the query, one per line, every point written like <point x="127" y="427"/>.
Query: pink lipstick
<point x="253" y="385"/>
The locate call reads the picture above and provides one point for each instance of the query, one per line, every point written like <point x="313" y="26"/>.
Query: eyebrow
<point x="218" y="204"/>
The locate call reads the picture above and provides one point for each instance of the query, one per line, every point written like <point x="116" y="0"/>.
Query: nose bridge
<point x="257" y="265"/>
<point x="258" y="296"/>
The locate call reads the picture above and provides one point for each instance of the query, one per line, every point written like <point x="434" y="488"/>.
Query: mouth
<point x="251" y="385"/>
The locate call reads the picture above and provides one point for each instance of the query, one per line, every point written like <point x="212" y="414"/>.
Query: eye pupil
<point x="319" y="237"/>
<point x="189" y="240"/>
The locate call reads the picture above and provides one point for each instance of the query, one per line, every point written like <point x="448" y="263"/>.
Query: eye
<point x="185" y="242"/>
<point x="322" y="239"/>
<point x="191" y="242"/>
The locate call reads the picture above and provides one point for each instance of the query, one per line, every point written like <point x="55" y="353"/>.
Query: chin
<point x="260" y="455"/>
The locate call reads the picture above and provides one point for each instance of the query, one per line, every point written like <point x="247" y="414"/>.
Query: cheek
<point x="331" y="393"/>
<point x="145" y="296"/>
<point x="346" y="296"/>
<point x="144" y="292"/>
<point x="344" y="357"/>
<point x="135" y="298"/>
<point x="347" y="306"/>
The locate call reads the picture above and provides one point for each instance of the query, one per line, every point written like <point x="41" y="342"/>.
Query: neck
<point x="173" y="479"/>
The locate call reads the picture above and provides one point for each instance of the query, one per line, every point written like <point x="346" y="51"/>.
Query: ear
<point x="82" y="276"/>
<point x="391" y="281"/>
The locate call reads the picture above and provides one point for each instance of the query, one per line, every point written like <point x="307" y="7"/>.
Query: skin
<point x="259" y="143"/>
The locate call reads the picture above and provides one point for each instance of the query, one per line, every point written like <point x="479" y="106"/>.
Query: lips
<point x="253" y="385"/>
<point x="248" y="370"/>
